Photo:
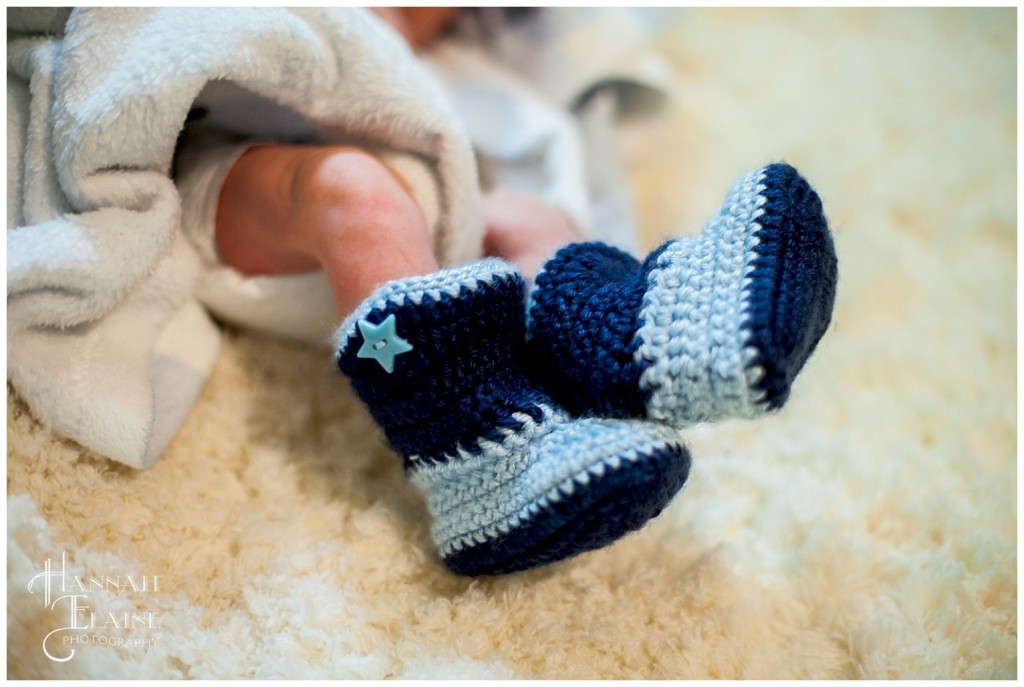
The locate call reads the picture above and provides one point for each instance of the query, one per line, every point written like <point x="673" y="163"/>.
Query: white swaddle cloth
<point x="106" y="341"/>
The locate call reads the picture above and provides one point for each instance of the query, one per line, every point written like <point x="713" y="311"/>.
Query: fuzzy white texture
<point x="867" y="530"/>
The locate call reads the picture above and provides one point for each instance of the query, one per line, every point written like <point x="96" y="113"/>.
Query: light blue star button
<point x="382" y="343"/>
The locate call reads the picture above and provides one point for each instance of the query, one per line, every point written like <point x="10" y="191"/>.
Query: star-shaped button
<point x="382" y="343"/>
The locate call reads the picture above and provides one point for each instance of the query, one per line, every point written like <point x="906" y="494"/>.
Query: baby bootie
<point x="706" y="328"/>
<point x="511" y="480"/>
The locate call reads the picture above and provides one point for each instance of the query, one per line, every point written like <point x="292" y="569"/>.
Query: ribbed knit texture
<point x="707" y="327"/>
<point x="512" y="482"/>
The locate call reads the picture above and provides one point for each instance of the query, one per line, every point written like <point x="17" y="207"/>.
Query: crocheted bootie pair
<point x="703" y="329"/>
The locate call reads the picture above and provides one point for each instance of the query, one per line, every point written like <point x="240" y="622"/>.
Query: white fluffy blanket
<point x="867" y="531"/>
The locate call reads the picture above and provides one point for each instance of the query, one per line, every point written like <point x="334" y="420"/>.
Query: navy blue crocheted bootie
<point x="512" y="482"/>
<point x="706" y="328"/>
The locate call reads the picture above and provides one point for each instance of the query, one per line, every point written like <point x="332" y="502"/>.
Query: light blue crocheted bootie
<point x="706" y="328"/>
<point x="511" y="480"/>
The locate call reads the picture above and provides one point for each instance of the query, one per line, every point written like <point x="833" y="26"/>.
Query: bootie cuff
<point x="451" y="281"/>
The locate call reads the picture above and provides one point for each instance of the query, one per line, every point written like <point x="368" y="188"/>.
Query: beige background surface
<point x="867" y="531"/>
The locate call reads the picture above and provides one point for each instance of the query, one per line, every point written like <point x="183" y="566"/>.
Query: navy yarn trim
<point x="584" y="318"/>
<point x="620" y="502"/>
<point x="462" y="381"/>
<point x="793" y="282"/>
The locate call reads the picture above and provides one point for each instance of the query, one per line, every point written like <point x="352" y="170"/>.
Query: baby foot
<point x="706" y="328"/>
<point x="511" y="480"/>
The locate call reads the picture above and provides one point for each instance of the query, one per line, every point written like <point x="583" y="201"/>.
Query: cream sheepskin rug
<point x="866" y="531"/>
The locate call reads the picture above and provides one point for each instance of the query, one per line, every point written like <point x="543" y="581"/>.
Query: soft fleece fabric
<point x="106" y="342"/>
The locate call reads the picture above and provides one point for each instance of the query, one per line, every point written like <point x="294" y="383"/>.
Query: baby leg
<point x="285" y="209"/>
